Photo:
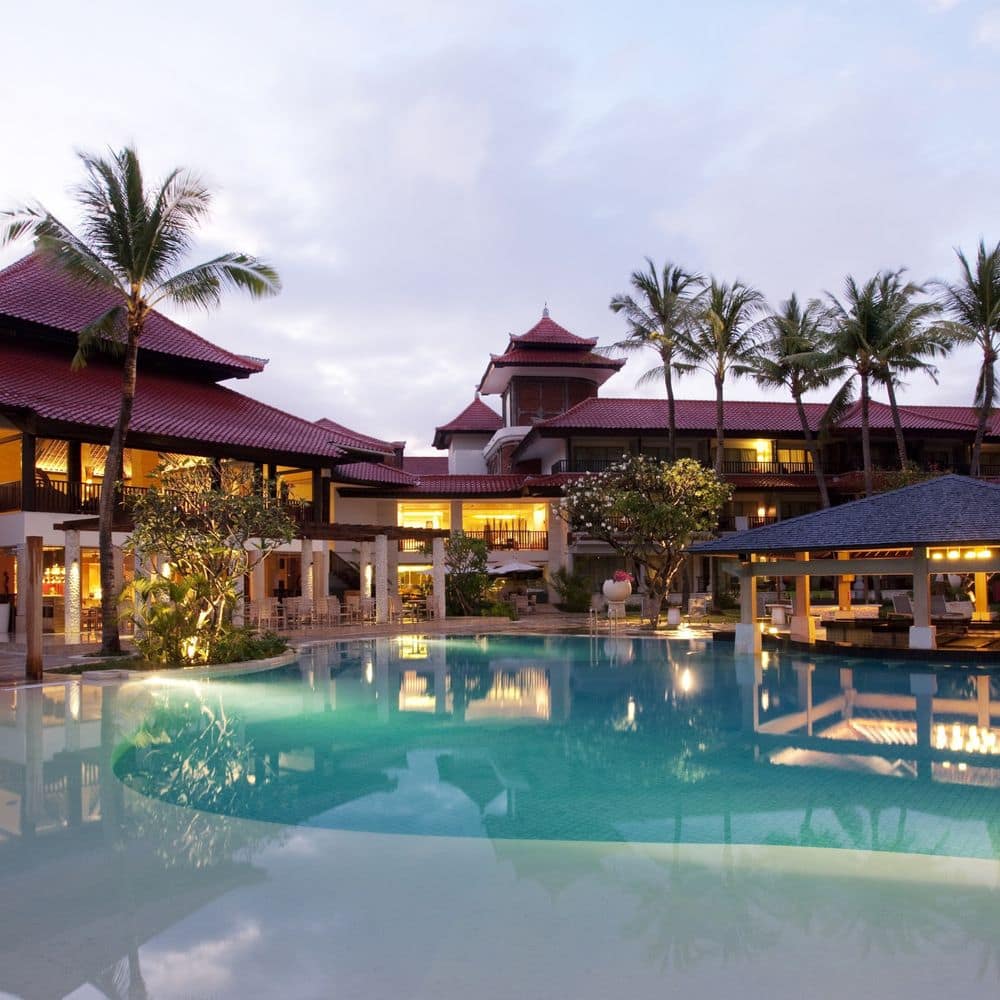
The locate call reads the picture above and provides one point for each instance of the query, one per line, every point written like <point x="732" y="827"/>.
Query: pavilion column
<point x="558" y="547"/>
<point x="747" y="632"/>
<point x="803" y="625"/>
<point x="365" y="569"/>
<point x="437" y="577"/>
<point x="257" y="581"/>
<point x="32" y="599"/>
<point x="393" y="566"/>
<point x="321" y="570"/>
<point x="455" y="516"/>
<point x="305" y="569"/>
<point x="71" y="592"/>
<point x="844" y="586"/>
<point x="923" y="635"/>
<point x="982" y="609"/>
<point x="381" y="579"/>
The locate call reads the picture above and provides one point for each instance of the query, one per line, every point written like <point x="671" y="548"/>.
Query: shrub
<point x="573" y="590"/>
<point x="240" y="644"/>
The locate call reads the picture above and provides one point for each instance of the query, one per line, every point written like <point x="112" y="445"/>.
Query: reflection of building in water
<point x="514" y="694"/>
<point x="867" y="724"/>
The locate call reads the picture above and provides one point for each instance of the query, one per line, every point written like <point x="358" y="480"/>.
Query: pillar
<point x="923" y="635"/>
<point x="321" y="570"/>
<point x="981" y="613"/>
<point x="804" y="684"/>
<point x="392" y="564"/>
<point x="437" y="577"/>
<point x="305" y="569"/>
<point x="844" y="586"/>
<point x="71" y="592"/>
<point x="455" y="516"/>
<point x="803" y="625"/>
<point x="381" y="579"/>
<point x="365" y="568"/>
<point x="849" y="691"/>
<point x="21" y="589"/>
<point x="258" y="584"/>
<point x="558" y="547"/>
<point x="32" y="600"/>
<point x="747" y="632"/>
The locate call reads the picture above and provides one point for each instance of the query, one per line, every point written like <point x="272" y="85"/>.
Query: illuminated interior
<point x="499" y="517"/>
<point x="424" y="515"/>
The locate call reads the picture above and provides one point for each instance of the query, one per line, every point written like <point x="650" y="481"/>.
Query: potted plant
<point x="619" y="587"/>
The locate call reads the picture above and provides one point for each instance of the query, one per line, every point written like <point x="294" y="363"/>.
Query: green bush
<point x="240" y="644"/>
<point x="501" y="609"/>
<point x="573" y="590"/>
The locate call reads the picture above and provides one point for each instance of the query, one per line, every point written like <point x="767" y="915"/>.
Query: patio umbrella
<point x="514" y="567"/>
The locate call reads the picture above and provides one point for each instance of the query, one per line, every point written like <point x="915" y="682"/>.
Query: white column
<point x="21" y="588"/>
<point x="381" y="579"/>
<point x="365" y="568"/>
<point x="455" y="516"/>
<point x="392" y="551"/>
<point x="305" y="568"/>
<point x="321" y="569"/>
<point x="71" y="591"/>
<point x="803" y="625"/>
<point x="923" y="635"/>
<point x="558" y="545"/>
<point x="747" y="632"/>
<point x="437" y="577"/>
<point x="258" y="582"/>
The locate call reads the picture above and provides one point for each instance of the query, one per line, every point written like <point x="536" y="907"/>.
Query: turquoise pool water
<point x="498" y="817"/>
<point x="571" y="738"/>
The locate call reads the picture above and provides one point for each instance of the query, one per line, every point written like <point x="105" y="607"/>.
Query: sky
<point x="427" y="174"/>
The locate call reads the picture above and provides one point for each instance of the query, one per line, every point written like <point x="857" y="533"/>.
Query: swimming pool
<point x="510" y="816"/>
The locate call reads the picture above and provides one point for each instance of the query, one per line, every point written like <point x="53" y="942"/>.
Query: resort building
<point x="369" y="515"/>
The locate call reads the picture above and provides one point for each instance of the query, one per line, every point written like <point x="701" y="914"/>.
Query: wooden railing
<point x="496" y="540"/>
<point x="732" y="468"/>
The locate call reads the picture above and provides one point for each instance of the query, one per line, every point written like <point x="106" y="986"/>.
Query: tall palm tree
<point x="720" y="341"/>
<point x="657" y="315"/>
<point x="133" y="242"/>
<point x="788" y="336"/>
<point x="973" y="303"/>
<point x="908" y="333"/>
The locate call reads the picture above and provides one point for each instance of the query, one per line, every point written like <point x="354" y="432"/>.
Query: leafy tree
<point x="792" y="334"/>
<point x="197" y="544"/>
<point x="133" y="242"/>
<point x="466" y="579"/>
<point x="649" y="512"/>
<point x="657" y="314"/>
<point x="973" y="303"/>
<point x="721" y="342"/>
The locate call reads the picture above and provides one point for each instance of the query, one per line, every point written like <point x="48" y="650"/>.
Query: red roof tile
<point x="355" y="439"/>
<point x="476" y="418"/>
<point x="563" y="359"/>
<point x="547" y="331"/>
<point x="165" y="406"/>
<point x="479" y="485"/>
<point x="374" y="473"/>
<point x="33" y="290"/>
<point x="691" y="415"/>
<point x="426" y="465"/>
<point x="913" y="418"/>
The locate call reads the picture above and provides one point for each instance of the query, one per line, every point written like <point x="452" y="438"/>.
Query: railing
<point x="518" y="538"/>
<point x="732" y="468"/>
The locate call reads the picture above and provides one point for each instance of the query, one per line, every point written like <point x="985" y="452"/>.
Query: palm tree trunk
<point x="671" y="412"/>
<point x="897" y="426"/>
<point x="720" y="428"/>
<point x="814" y="452"/>
<point x="110" y="639"/>
<point x="988" y="381"/>
<point x="866" y="437"/>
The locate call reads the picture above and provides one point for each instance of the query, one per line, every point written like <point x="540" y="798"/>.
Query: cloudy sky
<point x="425" y="175"/>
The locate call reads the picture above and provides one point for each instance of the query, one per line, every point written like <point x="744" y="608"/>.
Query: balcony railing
<point x="496" y="540"/>
<point x="731" y="468"/>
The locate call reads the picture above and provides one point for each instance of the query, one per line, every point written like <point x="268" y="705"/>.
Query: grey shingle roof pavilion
<point x="943" y="510"/>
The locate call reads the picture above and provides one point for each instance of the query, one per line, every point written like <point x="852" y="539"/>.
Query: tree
<point x="649" y="512"/>
<point x="973" y="303"/>
<point x="789" y="335"/>
<point x="197" y="544"/>
<point x="466" y="580"/>
<point x="133" y="242"/>
<point x="721" y="342"/>
<point x="657" y="317"/>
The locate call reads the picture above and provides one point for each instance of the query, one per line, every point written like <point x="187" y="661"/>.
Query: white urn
<point x="617" y="590"/>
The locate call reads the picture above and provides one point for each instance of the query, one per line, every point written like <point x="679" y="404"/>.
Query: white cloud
<point x="988" y="29"/>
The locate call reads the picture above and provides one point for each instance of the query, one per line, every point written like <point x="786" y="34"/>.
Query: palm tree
<point x="974" y="306"/>
<point x="907" y="334"/>
<point x="656" y="319"/>
<point x="789" y="335"/>
<point x="720" y="341"/>
<point x="133" y="242"/>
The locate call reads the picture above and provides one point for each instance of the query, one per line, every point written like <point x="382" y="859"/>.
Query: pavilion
<point x="945" y="525"/>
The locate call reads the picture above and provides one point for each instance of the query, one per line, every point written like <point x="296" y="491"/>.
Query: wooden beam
<point x="33" y="664"/>
<point x="835" y="567"/>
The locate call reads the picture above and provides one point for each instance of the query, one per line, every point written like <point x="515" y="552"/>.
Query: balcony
<point x="533" y="541"/>
<point x="730" y="468"/>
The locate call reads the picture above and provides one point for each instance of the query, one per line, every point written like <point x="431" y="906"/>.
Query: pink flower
<point x="620" y="576"/>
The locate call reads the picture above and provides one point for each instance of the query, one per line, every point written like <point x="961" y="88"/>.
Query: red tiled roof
<point x="691" y="415"/>
<point x="33" y="290"/>
<point x="913" y="418"/>
<point x="563" y="359"/>
<point x="165" y="406"/>
<point x="375" y="473"/>
<point x="480" y="485"/>
<point x="547" y="331"/>
<point x="426" y="465"/>
<point x="355" y="439"/>
<point x="477" y="416"/>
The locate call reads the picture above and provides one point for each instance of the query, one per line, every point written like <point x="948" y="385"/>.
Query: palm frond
<point x="105" y="334"/>
<point x="202" y="284"/>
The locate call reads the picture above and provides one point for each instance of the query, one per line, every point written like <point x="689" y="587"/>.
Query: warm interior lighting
<point x="984" y="554"/>
<point x="971" y="554"/>
<point x="937" y="556"/>
<point x="953" y="553"/>
<point x="762" y="511"/>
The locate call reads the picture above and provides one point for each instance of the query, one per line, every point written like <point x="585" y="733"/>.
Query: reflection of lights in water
<point x="765" y="660"/>
<point x="369" y="672"/>
<point x="74" y="701"/>
<point x="765" y="699"/>
<point x="630" y="711"/>
<point x="687" y="680"/>
<point x="413" y="647"/>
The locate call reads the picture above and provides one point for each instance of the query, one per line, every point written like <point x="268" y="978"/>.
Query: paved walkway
<point x="57" y="653"/>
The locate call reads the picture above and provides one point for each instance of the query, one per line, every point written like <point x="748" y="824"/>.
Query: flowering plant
<point x="620" y="576"/>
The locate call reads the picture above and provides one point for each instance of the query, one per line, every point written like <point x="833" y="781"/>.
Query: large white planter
<point x="617" y="591"/>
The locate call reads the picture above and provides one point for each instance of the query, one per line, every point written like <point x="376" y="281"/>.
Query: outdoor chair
<point x="395" y="608"/>
<point x="901" y="606"/>
<point x="940" y="612"/>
